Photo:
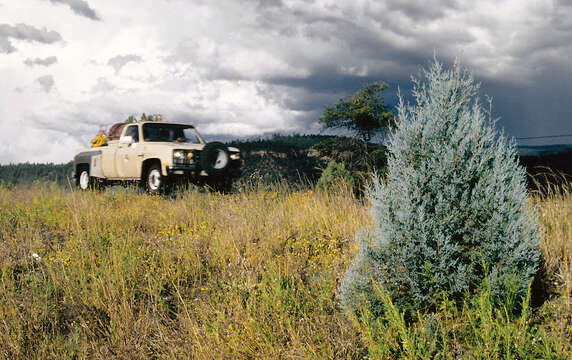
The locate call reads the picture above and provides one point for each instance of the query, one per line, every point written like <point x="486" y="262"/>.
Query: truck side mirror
<point x="128" y="140"/>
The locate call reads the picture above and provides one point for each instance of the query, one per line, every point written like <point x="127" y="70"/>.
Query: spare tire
<point x="215" y="159"/>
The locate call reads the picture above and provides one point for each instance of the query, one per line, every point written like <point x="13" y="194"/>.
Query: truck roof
<point x="116" y="129"/>
<point x="164" y="122"/>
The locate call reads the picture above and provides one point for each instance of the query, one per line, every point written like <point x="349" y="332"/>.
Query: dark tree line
<point x="27" y="173"/>
<point x="291" y="158"/>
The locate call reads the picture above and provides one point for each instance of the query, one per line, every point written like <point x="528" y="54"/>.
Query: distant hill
<point x="543" y="150"/>
<point x="288" y="158"/>
<point x="547" y="163"/>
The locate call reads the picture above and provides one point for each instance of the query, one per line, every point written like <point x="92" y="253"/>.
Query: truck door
<point x="128" y="158"/>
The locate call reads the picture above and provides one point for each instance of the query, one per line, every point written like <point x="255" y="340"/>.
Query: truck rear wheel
<point x="154" y="180"/>
<point x="85" y="182"/>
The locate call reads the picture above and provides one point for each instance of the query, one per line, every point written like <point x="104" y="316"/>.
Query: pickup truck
<point x="157" y="155"/>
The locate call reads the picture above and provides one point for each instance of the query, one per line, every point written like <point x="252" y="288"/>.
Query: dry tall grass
<point x="247" y="275"/>
<point x="201" y="276"/>
<point x="555" y="213"/>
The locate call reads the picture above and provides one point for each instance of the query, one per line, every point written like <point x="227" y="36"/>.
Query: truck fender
<point x="147" y="162"/>
<point x="91" y="159"/>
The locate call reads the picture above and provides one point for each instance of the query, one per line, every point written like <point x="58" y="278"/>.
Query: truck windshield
<point x="170" y="133"/>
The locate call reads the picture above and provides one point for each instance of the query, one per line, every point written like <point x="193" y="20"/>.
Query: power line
<point x="543" y="137"/>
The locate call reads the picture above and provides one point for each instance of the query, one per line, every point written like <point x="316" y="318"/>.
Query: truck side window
<point x="133" y="131"/>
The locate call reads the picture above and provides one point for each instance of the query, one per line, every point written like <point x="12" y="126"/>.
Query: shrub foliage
<point x="452" y="212"/>
<point x="334" y="175"/>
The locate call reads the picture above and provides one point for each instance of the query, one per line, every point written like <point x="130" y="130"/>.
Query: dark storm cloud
<point x="382" y="21"/>
<point x="420" y="10"/>
<point x="357" y="45"/>
<point x="539" y="109"/>
<point x="80" y="7"/>
<point x="25" y="33"/>
<point x="118" y="62"/>
<point x="46" y="82"/>
<point x="360" y="54"/>
<point x="527" y="70"/>
<point x="42" y="62"/>
<point x="297" y="99"/>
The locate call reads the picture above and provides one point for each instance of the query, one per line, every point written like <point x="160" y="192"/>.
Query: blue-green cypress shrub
<point x="453" y="210"/>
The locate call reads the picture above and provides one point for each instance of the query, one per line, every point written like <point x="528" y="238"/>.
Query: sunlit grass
<point x="199" y="275"/>
<point x="248" y="275"/>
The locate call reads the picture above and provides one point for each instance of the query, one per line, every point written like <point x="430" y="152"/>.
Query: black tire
<point x="154" y="181"/>
<point x="215" y="159"/>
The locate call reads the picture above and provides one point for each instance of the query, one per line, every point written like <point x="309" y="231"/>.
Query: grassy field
<point x="247" y="275"/>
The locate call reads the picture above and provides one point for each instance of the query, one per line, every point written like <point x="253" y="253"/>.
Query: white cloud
<point x="24" y="32"/>
<point x="119" y="61"/>
<point x="80" y="7"/>
<point x="47" y="82"/>
<point x="42" y="62"/>
<point x="102" y="85"/>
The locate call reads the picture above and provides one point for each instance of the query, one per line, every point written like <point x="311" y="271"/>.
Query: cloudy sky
<point x="244" y="68"/>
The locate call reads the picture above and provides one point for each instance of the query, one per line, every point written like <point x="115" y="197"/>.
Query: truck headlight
<point x="178" y="155"/>
<point x="235" y="156"/>
<point x="183" y="157"/>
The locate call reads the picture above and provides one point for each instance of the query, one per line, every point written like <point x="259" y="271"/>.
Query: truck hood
<point x="174" y="145"/>
<point x="183" y="146"/>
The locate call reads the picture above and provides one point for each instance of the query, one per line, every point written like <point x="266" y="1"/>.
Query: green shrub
<point x="334" y="175"/>
<point x="4" y="184"/>
<point x="453" y="210"/>
<point x="379" y="160"/>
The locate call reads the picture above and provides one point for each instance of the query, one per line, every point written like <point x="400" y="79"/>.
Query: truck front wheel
<point x="154" y="180"/>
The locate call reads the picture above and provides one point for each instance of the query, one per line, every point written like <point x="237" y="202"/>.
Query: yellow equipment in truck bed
<point x="99" y="140"/>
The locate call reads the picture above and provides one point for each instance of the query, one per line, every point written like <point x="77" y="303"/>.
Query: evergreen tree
<point x="364" y="112"/>
<point x="453" y="211"/>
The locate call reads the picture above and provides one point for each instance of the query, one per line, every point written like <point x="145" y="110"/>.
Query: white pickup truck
<point x="157" y="155"/>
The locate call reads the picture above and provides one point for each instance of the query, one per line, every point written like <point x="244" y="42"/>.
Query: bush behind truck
<point x="157" y="155"/>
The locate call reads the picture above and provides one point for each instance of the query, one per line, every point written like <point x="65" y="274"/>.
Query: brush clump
<point x="452" y="214"/>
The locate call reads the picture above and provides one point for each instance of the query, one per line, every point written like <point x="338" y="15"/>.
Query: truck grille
<point x="188" y="158"/>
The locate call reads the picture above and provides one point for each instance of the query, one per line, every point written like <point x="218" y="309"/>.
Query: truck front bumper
<point x="182" y="170"/>
<point x="194" y="172"/>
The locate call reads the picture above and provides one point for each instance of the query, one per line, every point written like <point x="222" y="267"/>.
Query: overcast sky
<point x="244" y="68"/>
